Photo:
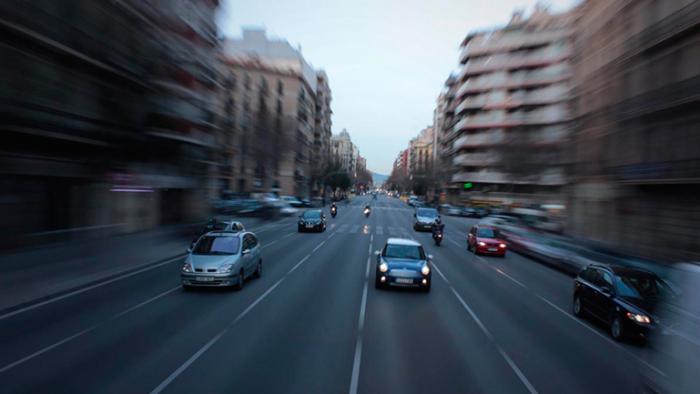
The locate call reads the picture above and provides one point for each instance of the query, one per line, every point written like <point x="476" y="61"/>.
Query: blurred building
<point x="637" y="166"/>
<point x="344" y="152"/>
<point x="512" y="109"/>
<point x="283" y="115"/>
<point x="421" y="153"/>
<point x="107" y="112"/>
<point x="321" y="155"/>
<point x="400" y="168"/>
<point x="444" y="120"/>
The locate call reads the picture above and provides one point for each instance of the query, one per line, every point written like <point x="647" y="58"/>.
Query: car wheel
<point x="578" y="307"/>
<point x="617" y="329"/>
<point x="377" y="283"/>
<point x="186" y="288"/>
<point x="241" y="281"/>
<point x="299" y="229"/>
<point x="258" y="269"/>
<point x="426" y="289"/>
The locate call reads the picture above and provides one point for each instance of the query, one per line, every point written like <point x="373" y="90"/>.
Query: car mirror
<point x="189" y="250"/>
<point x="245" y="251"/>
<point x="377" y="252"/>
<point x="430" y="257"/>
<point x="414" y="215"/>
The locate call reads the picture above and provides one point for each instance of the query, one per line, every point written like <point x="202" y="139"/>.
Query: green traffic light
<point x="468" y="185"/>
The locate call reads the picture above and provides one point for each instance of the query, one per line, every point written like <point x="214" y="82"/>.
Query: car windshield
<point x="213" y="245"/>
<point x="413" y="252"/>
<point x="641" y="286"/>
<point x="427" y="212"/>
<point x="487" y="233"/>
<point x="312" y="215"/>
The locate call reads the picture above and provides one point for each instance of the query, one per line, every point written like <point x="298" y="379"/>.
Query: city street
<point x="314" y="323"/>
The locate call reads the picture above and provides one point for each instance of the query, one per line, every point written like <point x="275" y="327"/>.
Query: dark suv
<point x="623" y="298"/>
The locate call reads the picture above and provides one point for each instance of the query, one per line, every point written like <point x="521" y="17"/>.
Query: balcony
<point x="481" y="177"/>
<point x="480" y="139"/>
<point x="495" y="119"/>
<point x="473" y="102"/>
<point x="494" y="43"/>
<point x="544" y="76"/>
<point x="475" y="159"/>
<point x="504" y="61"/>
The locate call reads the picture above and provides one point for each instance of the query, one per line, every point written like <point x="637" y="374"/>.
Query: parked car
<point x="293" y="201"/>
<point x="484" y="239"/>
<point x="623" y="298"/>
<point x="312" y="220"/>
<point x="450" y="210"/>
<point x="403" y="263"/>
<point x="222" y="259"/>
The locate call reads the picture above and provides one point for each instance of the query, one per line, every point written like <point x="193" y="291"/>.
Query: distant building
<point x="282" y="107"/>
<point x="344" y="152"/>
<point x="636" y="145"/>
<point x="512" y="111"/>
<point x="421" y="153"/>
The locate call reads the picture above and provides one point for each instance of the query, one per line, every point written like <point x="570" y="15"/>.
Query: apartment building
<point x="512" y="111"/>
<point x="637" y="163"/>
<point x="420" y="163"/>
<point x="282" y="112"/>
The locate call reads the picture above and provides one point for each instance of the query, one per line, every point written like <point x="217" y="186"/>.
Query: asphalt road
<point x="314" y="323"/>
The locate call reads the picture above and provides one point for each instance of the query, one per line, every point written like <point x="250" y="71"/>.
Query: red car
<point x="485" y="240"/>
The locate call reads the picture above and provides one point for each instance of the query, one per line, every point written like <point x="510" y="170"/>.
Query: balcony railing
<point x="475" y="159"/>
<point x="542" y="76"/>
<point x="549" y="177"/>
<point x="481" y="139"/>
<point x="481" y="176"/>
<point x="486" y="44"/>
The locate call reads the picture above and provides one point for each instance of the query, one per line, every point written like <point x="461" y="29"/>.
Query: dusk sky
<point x="386" y="60"/>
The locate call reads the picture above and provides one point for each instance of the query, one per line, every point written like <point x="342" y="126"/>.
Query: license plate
<point x="204" y="279"/>
<point x="493" y="249"/>
<point x="309" y="226"/>
<point x="404" y="280"/>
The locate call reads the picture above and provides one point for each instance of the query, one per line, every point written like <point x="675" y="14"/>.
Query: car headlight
<point x="482" y="243"/>
<point x="639" y="318"/>
<point x="425" y="270"/>
<point x="187" y="267"/>
<point x="502" y="245"/>
<point x="383" y="267"/>
<point x="226" y="268"/>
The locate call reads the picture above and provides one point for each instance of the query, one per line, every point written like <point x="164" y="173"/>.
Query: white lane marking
<point x="455" y="242"/>
<point x="510" y="277"/>
<point x="371" y="238"/>
<point x="440" y="273"/>
<point x="355" y="228"/>
<point x="517" y="371"/>
<point x="221" y="333"/>
<point x="85" y="331"/>
<point x="46" y="349"/>
<point x="85" y="289"/>
<point x="488" y="334"/>
<point x="277" y="240"/>
<point x="355" y="377"/>
<point x="603" y="336"/>
<point x="298" y="264"/>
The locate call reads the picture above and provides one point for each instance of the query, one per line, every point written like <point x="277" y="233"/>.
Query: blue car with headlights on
<point x="403" y="263"/>
<point x="222" y="259"/>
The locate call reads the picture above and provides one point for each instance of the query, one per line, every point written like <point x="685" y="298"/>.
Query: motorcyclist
<point x="334" y="209"/>
<point x="367" y="210"/>
<point x="437" y="227"/>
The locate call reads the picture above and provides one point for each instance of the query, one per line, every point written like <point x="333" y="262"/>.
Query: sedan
<point x="425" y="218"/>
<point x="403" y="263"/>
<point x="312" y="220"/>
<point x="222" y="259"/>
<point x="486" y="240"/>
<point x="623" y="298"/>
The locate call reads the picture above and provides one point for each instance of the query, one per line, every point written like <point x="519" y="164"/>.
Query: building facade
<point x="637" y="163"/>
<point x="344" y="152"/>
<point x="282" y="107"/>
<point x="513" y="111"/>
<point x="107" y="126"/>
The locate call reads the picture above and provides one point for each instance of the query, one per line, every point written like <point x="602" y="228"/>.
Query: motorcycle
<point x="367" y="212"/>
<point x="437" y="237"/>
<point x="334" y="211"/>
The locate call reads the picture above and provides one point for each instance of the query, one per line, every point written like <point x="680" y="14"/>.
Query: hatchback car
<point x="484" y="239"/>
<point x="425" y="218"/>
<point x="222" y="259"/>
<point x="312" y="220"/>
<point x="403" y="263"/>
<point x="623" y="298"/>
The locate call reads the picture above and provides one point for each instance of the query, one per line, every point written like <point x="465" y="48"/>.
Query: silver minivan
<point x="222" y="259"/>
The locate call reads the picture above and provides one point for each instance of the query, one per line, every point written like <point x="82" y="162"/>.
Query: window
<point x="246" y="81"/>
<point x="253" y="241"/>
<point x="209" y="245"/>
<point x="607" y="280"/>
<point x="412" y="252"/>
<point x="487" y="233"/>
<point x="280" y="88"/>
<point x="247" y="242"/>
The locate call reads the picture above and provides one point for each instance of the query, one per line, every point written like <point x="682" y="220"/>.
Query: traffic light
<point x="467" y="185"/>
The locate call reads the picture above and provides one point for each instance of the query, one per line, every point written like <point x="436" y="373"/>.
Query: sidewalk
<point x="39" y="272"/>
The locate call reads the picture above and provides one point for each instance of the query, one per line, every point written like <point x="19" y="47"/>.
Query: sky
<point x="386" y="60"/>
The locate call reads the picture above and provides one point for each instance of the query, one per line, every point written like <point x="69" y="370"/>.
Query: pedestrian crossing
<point x="390" y="231"/>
